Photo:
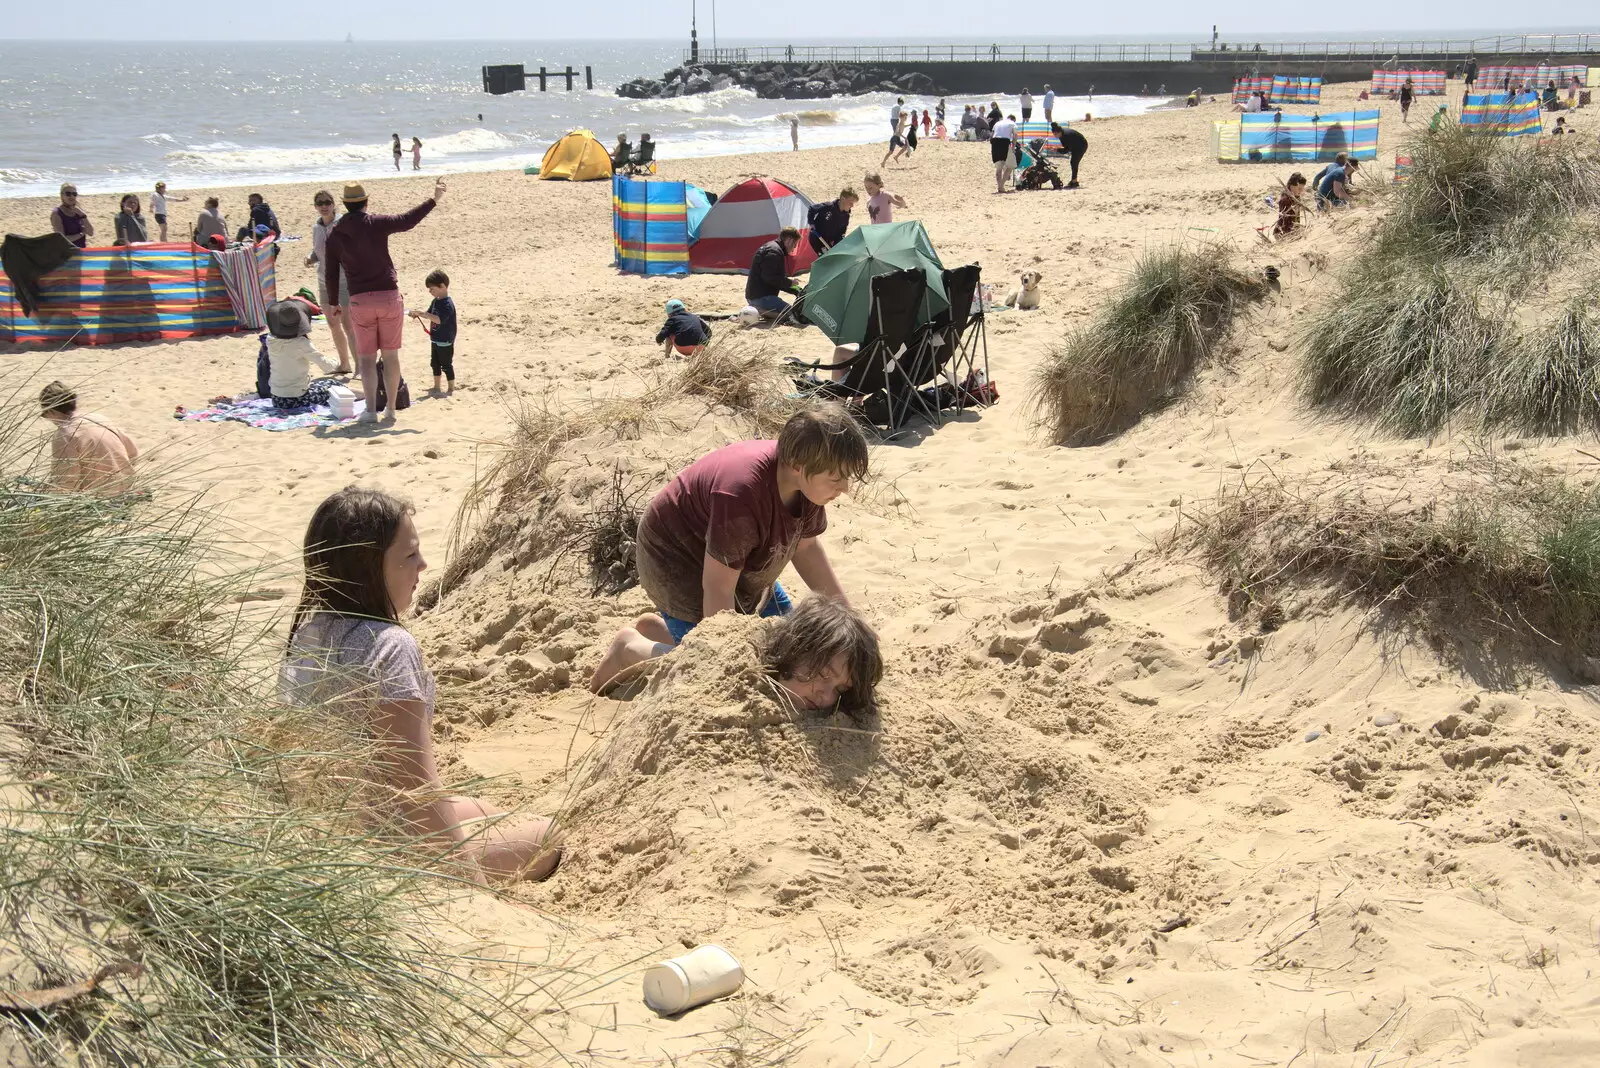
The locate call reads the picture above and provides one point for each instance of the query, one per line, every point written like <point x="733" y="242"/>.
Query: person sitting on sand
<point x="291" y="356"/>
<point x="769" y="274"/>
<point x="719" y="535"/>
<point x="684" y="332"/>
<point x="211" y="228"/>
<point x="129" y="224"/>
<point x="87" y="454"/>
<point x="348" y="653"/>
<point x="827" y="222"/>
<point x="1289" y="205"/>
<point x="1333" y="182"/>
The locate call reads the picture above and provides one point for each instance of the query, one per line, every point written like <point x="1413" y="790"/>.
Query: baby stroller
<point x="1040" y="171"/>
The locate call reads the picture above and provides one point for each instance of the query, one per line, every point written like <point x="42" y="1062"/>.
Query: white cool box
<point x="695" y="978"/>
<point x="342" y="402"/>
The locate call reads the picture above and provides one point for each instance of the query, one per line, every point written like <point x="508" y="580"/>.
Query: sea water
<point x="117" y="117"/>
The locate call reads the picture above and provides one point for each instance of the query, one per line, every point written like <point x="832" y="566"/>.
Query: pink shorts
<point x="379" y="320"/>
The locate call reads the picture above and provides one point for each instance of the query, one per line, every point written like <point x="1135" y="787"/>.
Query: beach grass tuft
<point x="163" y="811"/>
<point x="1512" y="557"/>
<point x="1462" y="306"/>
<point x="1166" y="318"/>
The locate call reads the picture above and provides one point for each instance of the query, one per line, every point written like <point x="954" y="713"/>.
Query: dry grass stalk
<point x="748" y="383"/>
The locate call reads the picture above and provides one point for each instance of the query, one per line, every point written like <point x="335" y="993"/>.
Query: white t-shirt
<point x="158" y="203"/>
<point x="1049" y="99"/>
<point x="1005" y="128"/>
<point x="1027" y="100"/>
<point x="894" y="116"/>
<point x="354" y="664"/>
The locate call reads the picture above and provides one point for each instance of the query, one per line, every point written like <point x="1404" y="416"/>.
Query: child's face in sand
<point x="403" y="566"/>
<point x="816" y="688"/>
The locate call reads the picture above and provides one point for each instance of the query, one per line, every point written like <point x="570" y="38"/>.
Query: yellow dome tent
<point x="577" y="157"/>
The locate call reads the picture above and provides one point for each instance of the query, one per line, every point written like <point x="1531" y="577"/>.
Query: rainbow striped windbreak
<point x="1283" y="138"/>
<point x="650" y="226"/>
<point x="145" y="293"/>
<point x="1287" y="89"/>
<point x="1423" y="82"/>
<point x="1502" y="114"/>
<point x="1493" y="79"/>
<point x="1243" y="87"/>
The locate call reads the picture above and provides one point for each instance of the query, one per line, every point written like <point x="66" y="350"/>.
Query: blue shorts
<point x="777" y="605"/>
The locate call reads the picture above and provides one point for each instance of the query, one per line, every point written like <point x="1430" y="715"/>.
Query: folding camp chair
<point x="876" y="388"/>
<point x="968" y="337"/>
<point x="619" y="158"/>
<point x="644" y="160"/>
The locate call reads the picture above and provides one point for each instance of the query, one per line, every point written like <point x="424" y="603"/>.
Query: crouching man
<point x="719" y="535"/>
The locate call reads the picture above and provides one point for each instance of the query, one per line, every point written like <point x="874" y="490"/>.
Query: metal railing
<point x="1221" y="51"/>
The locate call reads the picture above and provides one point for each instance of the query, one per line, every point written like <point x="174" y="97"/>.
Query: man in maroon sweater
<point x="358" y="245"/>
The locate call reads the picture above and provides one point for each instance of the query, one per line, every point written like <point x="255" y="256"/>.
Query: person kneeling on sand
<point x="1332" y="183"/>
<point x="769" y="274"/>
<point x="719" y="535"/>
<point x="348" y="653"/>
<point x="684" y="333"/>
<point x="87" y="454"/>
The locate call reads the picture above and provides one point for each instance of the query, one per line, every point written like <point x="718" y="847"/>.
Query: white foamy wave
<point x="21" y="176"/>
<point x="159" y="139"/>
<point x="228" y="159"/>
<point x="700" y="103"/>
<point x="476" y="139"/>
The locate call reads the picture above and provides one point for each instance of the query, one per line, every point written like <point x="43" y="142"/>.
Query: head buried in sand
<point x="825" y="656"/>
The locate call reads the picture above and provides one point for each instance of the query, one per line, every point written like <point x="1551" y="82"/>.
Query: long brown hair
<point x="821" y="628"/>
<point x="344" y="546"/>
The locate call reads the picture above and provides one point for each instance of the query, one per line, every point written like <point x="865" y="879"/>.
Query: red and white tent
<point x="747" y="217"/>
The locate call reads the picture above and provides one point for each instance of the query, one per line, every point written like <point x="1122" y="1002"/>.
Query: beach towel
<point x="241" y="273"/>
<point x="258" y="412"/>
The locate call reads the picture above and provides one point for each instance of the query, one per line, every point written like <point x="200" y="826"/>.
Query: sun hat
<point x="354" y="193"/>
<point x="288" y="319"/>
<point x="675" y="305"/>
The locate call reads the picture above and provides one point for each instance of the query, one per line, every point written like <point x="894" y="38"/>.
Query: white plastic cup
<point x="708" y="973"/>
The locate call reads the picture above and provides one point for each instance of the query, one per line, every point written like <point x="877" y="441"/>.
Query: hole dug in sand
<point x="710" y="790"/>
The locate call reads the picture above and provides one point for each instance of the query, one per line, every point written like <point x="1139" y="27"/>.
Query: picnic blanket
<point x="251" y="410"/>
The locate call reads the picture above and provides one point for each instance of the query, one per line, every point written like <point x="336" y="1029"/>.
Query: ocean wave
<point x="159" y="139"/>
<point x="21" y="176"/>
<point x="229" y="158"/>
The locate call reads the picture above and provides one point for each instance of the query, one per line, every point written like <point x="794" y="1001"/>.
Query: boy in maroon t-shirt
<point x="719" y="535"/>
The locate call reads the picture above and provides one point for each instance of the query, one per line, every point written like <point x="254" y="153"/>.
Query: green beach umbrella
<point x="839" y="295"/>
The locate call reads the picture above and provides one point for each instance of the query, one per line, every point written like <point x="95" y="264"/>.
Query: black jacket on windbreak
<point x="769" y="273"/>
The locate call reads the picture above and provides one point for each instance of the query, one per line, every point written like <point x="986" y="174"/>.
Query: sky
<point x="910" y="21"/>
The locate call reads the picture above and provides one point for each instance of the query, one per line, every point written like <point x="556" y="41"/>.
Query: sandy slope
<point x="1090" y="826"/>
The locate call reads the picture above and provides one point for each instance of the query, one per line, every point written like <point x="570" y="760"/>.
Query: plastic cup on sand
<point x="708" y="973"/>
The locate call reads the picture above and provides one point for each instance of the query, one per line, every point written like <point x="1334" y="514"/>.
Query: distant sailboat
<point x="349" y="38"/>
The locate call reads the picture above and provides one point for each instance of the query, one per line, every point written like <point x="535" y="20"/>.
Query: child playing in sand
<point x="1289" y="205"/>
<point x="719" y="535"/>
<point x="349" y="656"/>
<point x="441" y="317"/>
<point x="684" y="331"/>
<point x="158" y="206"/>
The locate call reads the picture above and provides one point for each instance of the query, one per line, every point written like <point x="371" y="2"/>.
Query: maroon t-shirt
<point x="724" y="505"/>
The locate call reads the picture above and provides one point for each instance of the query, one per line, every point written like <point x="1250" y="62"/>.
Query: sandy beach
<point x="1103" y="822"/>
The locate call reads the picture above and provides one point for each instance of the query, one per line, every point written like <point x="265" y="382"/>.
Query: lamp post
<point x="694" y="33"/>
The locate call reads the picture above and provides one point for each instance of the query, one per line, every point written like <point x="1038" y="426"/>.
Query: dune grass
<point x="1165" y="319"/>
<point x="161" y="810"/>
<point x="1512" y="557"/>
<point x="1460" y="309"/>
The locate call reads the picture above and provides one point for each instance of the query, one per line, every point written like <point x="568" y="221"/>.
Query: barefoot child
<point x="719" y="535"/>
<point x="441" y="314"/>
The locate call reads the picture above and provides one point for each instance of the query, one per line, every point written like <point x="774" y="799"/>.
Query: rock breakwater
<point x="782" y="81"/>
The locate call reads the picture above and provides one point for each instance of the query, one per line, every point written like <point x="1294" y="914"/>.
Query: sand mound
<point x="711" y="794"/>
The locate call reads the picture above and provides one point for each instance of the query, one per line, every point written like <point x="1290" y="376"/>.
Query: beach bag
<point x="263" y="371"/>
<point x="402" y="400"/>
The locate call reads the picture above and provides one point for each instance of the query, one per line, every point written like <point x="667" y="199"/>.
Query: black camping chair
<point x="967" y="337"/>
<point x="643" y="158"/>
<point x="619" y="157"/>
<point x="875" y="387"/>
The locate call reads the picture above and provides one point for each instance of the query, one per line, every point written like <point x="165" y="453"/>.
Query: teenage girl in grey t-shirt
<point x="348" y="652"/>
